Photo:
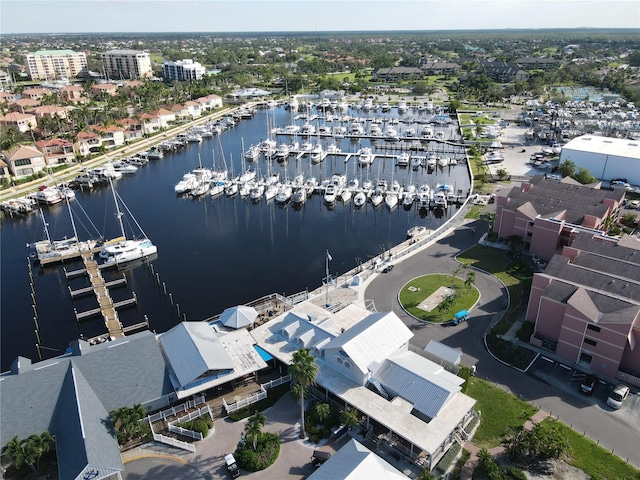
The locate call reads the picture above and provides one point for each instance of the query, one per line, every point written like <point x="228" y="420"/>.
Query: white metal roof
<point x="425" y="384"/>
<point x="193" y="349"/>
<point x="443" y="351"/>
<point x="604" y="145"/>
<point x="372" y="339"/>
<point x="354" y="461"/>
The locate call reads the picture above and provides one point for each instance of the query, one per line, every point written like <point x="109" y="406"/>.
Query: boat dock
<point x="84" y="291"/>
<point x="106" y="306"/>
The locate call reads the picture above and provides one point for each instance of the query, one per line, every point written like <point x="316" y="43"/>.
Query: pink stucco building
<point x="548" y="214"/>
<point x="586" y="303"/>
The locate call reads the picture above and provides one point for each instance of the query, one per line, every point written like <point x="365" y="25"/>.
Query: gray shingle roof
<point x="68" y="394"/>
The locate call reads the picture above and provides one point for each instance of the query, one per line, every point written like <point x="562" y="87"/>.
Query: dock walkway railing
<point x="256" y="397"/>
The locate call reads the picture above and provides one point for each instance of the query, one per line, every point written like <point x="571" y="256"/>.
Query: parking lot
<point x="569" y="379"/>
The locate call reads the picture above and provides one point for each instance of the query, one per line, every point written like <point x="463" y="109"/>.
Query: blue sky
<point x="57" y="16"/>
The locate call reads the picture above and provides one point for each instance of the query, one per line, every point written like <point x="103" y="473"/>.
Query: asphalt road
<point x="615" y="431"/>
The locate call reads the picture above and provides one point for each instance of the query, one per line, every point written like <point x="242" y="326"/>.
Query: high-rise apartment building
<point x="182" y="70"/>
<point x="126" y="64"/>
<point x="55" y="64"/>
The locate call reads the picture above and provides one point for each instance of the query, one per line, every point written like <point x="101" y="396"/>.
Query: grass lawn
<point x="474" y="212"/>
<point x="594" y="460"/>
<point x="500" y="411"/>
<point x="469" y="118"/>
<point x="426" y="285"/>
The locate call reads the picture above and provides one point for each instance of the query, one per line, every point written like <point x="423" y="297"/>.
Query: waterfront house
<point x="111" y="136"/>
<point x="57" y="151"/>
<point x="23" y="161"/>
<point x="585" y="306"/>
<point x="88" y="143"/>
<point x="21" y="121"/>
<point x="548" y="214"/>
<point x="210" y="102"/>
<point x="193" y="108"/>
<point x="7" y="97"/>
<point x="5" y="176"/>
<point x="132" y="128"/>
<point x="365" y="363"/>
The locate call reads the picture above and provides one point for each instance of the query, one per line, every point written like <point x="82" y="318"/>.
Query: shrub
<point x="525" y="331"/>
<point x="513" y="473"/>
<point x="265" y="454"/>
<point x="201" y="424"/>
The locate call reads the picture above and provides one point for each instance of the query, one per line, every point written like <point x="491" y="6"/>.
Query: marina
<point x="221" y="250"/>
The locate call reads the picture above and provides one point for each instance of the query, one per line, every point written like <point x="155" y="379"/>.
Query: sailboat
<point x="120" y="251"/>
<point x="53" y="251"/>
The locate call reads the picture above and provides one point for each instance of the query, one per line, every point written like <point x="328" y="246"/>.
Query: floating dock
<point x="106" y="306"/>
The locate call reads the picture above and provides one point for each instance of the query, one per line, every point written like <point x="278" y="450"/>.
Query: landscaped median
<point x="436" y="297"/>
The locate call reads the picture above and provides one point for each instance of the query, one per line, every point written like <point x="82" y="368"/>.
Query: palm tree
<point x="40" y="444"/>
<point x="322" y="411"/>
<point x="28" y="451"/>
<point x="471" y="278"/>
<point x="445" y="305"/>
<point x="303" y="370"/>
<point x="349" y="418"/>
<point x="253" y="428"/>
<point x="126" y="422"/>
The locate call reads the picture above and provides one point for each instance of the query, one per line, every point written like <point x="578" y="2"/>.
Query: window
<point x="588" y="341"/>
<point x="347" y="365"/>
<point x="593" y="328"/>
<point x="22" y="161"/>
<point x="585" y="359"/>
<point x="339" y="360"/>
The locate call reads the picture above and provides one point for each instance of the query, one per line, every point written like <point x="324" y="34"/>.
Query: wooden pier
<point x="84" y="291"/>
<point x="107" y="308"/>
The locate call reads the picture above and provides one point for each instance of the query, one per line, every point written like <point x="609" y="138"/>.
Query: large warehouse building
<point x="606" y="158"/>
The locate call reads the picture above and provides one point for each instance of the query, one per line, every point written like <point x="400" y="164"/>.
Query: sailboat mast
<point x="118" y="212"/>
<point x="73" y="223"/>
<point x="46" y="226"/>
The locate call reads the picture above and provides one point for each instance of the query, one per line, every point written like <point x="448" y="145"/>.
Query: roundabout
<point x="436" y="297"/>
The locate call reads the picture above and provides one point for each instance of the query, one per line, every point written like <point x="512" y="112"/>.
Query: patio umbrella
<point x="239" y="316"/>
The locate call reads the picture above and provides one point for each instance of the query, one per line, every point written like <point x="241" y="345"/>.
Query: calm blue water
<point x="213" y="252"/>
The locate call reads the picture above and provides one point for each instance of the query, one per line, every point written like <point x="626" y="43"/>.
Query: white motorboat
<point x="189" y="180"/>
<point x="48" y="195"/>
<point x="121" y="250"/>
<point x="427" y="131"/>
<point x="409" y="196"/>
<point x="391" y="134"/>
<point x="424" y="196"/>
<point x="365" y="156"/>
<point x="333" y="149"/>
<point x="293" y="103"/>
<point x="442" y="161"/>
<point x="252" y="153"/>
<point x="194" y="137"/>
<point x="440" y="199"/>
<point x="307" y="129"/>
<point x="330" y="194"/>
<point x="432" y="159"/>
<point x="124" y="167"/>
<point x="201" y="188"/>
<point x="317" y="153"/>
<point x="375" y="130"/>
<point x="356" y="129"/>
<point x="403" y="159"/>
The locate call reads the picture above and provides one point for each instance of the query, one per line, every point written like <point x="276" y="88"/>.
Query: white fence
<point x="256" y="397"/>
<point x="174" y="443"/>
<point x="185" y="432"/>
<point x="173" y="411"/>
<point x="190" y="416"/>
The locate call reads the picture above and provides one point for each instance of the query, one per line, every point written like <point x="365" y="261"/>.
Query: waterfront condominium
<point x="126" y="64"/>
<point x="55" y="64"/>
<point x="182" y="71"/>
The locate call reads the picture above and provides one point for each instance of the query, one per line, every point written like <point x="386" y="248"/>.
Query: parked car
<point x="617" y="396"/>
<point x="588" y="385"/>
<point x="232" y="466"/>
